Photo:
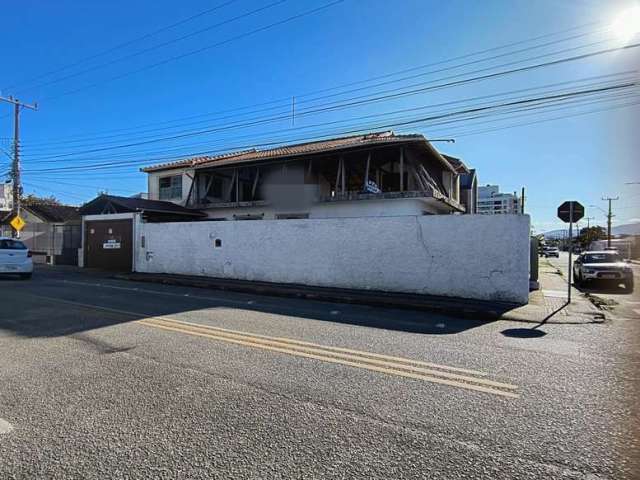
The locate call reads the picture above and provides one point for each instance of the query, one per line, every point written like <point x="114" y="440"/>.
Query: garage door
<point x="109" y="245"/>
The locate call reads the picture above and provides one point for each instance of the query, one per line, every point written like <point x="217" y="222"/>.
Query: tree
<point x="591" y="234"/>
<point x="32" y="199"/>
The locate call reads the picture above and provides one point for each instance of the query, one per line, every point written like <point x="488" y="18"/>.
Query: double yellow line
<point x="376" y="362"/>
<point x="402" y="367"/>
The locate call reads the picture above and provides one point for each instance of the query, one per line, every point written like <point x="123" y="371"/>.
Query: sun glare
<point x="627" y="24"/>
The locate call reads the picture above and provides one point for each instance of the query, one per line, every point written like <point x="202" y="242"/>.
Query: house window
<point x="170" y="187"/>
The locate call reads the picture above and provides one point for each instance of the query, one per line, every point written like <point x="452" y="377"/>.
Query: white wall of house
<point x="153" y="188"/>
<point x="339" y="209"/>
<point x="468" y="256"/>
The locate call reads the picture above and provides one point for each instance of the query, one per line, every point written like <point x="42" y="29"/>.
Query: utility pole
<point x="522" y="202"/>
<point x="609" y="217"/>
<point x="588" y="219"/>
<point x="15" y="169"/>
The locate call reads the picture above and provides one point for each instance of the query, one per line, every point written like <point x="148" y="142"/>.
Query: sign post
<point x="570" y="212"/>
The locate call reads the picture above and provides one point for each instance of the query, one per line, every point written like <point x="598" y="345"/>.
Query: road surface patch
<point x="392" y="365"/>
<point x="5" y="427"/>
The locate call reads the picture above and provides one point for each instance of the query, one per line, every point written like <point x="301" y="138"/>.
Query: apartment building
<point x="492" y="202"/>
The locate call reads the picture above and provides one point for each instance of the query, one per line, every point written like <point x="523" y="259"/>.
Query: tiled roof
<point x="334" y="144"/>
<point x="53" y="212"/>
<point x="132" y="204"/>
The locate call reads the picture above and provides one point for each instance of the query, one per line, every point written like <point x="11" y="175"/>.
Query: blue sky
<point x="255" y="57"/>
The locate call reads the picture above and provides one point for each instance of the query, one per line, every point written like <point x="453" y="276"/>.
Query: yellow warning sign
<point x="17" y="223"/>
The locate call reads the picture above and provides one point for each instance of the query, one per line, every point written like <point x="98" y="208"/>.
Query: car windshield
<point x="602" y="258"/>
<point x="12" y="245"/>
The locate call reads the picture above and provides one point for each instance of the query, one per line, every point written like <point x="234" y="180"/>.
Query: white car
<point x="551" y="252"/>
<point x="15" y="258"/>
<point x="606" y="265"/>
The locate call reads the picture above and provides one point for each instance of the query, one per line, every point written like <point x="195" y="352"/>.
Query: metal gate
<point x="109" y="245"/>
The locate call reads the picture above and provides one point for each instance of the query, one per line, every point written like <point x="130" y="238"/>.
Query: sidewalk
<point x="546" y="305"/>
<point x="550" y="301"/>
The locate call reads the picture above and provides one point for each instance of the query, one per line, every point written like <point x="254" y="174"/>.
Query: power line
<point x="396" y="124"/>
<point x="124" y="44"/>
<point x="374" y="99"/>
<point x="201" y="49"/>
<point x="467" y="133"/>
<point x="131" y="164"/>
<point x="40" y="187"/>
<point x="544" y="89"/>
<point x="367" y="127"/>
<point x="286" y="107"/>
<point x="15" y="169"/>
<point x="156" y="47"/>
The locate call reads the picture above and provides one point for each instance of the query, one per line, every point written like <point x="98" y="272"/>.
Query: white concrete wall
<point x="469" y="256"/>
<point x="340" y="209"/>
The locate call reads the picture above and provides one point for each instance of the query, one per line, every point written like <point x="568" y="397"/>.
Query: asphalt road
<point x="621" y="302"/>
<point x="113" y="379"/>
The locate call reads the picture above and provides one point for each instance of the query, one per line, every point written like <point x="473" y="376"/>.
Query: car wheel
<point x="579" y="280"/>
<point x="628" y="285"/>
<point x="26" y="276"/>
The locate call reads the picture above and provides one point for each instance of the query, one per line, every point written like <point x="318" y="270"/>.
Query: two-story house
<point x="378" y="174"/>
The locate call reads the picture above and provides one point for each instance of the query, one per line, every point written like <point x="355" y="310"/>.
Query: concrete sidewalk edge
<point x="465" y="308"/>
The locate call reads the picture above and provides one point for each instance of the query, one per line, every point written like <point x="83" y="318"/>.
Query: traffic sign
<point x="565" y="214"/>
<point x="17" y="223"/>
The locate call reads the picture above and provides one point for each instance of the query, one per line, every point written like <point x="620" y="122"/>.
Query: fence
<point x="55" y="244"/>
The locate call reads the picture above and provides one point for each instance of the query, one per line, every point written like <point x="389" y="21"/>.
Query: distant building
<point x="6" y="197"/>
<point x="52" y="231"/>
<point x="492" y="202"/>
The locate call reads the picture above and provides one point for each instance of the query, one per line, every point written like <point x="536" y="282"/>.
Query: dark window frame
<point x="171" y="191"/>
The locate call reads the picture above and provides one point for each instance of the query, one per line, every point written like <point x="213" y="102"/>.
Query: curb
<point x="460" y="308"/>
<point x="468" y="309"/>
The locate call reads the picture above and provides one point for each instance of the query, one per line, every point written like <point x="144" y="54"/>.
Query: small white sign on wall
<point x="111" y="244"/>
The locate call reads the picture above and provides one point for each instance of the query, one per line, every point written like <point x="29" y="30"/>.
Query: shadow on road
<point x="603" y="289"/>
<point x="533" y="332"/>
<point x="49" y="307"/>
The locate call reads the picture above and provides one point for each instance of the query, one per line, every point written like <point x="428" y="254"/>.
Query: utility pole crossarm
<point x="17" y="102"/>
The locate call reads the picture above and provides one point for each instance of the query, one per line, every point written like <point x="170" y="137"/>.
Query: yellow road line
<point x="328" y="359"/>
<point x="319" y="349"/>
<point x="280" y="339"/>
<point x="326" y="347"/>
<point x="353" y="358"/>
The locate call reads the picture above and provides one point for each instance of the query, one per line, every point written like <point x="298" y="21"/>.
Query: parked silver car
<point x="606" y="265"/>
